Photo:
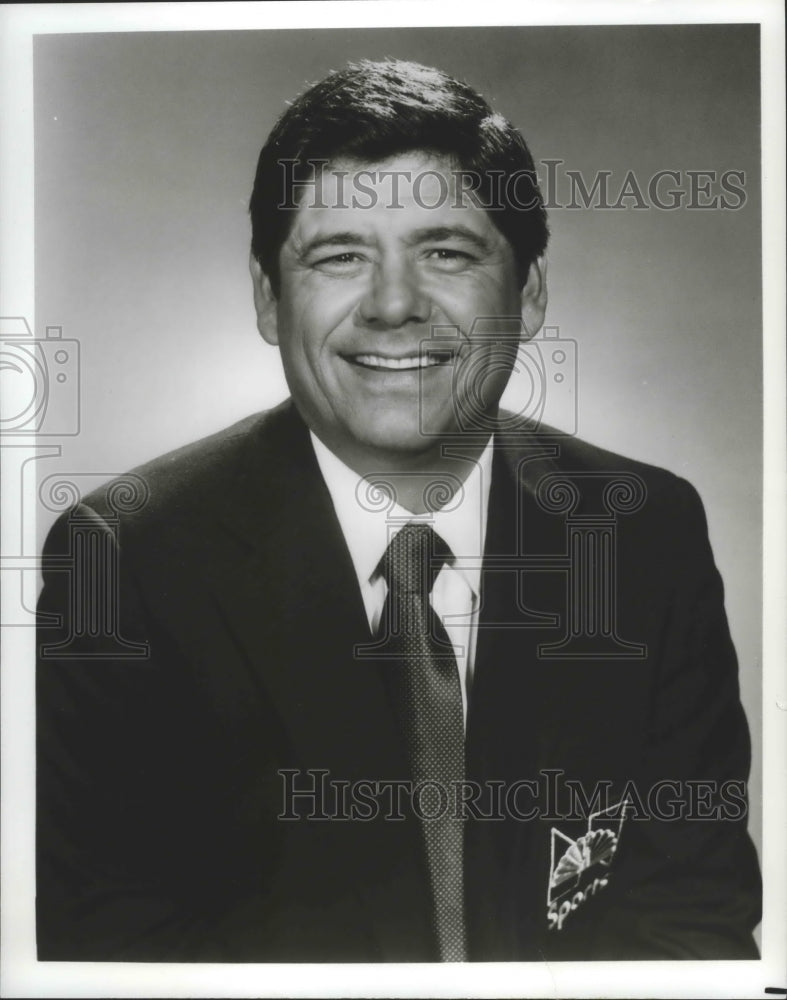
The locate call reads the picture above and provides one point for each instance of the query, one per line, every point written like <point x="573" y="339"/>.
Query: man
<point x="387" y="674"/>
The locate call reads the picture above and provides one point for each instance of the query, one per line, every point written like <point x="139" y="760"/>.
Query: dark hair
<point x="371" y="111"/>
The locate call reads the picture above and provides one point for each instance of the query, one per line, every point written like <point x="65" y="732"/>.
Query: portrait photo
<point x="392" y="571"/>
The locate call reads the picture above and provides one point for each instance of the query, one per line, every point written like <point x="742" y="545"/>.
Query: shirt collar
<point x="368" y="528"/>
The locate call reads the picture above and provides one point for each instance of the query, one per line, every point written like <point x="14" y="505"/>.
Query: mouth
<point x="408" y="363"/>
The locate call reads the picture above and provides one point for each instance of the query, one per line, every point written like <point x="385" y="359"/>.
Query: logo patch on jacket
<point x="580" y="868"/>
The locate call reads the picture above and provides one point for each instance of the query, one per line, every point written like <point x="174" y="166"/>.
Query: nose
<point x="394" y="296"/>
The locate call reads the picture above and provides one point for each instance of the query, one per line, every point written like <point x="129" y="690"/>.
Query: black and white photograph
<point x="393" y="500"/>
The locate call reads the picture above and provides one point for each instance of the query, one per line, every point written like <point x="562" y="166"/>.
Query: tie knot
<point x="414" y="557"/>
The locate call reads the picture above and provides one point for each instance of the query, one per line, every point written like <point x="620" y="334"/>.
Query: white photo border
<point x="21" y="975"/>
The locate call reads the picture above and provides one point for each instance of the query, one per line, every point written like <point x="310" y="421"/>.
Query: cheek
<point x="500" y="296"/>
<point x="313" y="314"/>
<point x="484" y="295"/>
<point x="297" y="330"/>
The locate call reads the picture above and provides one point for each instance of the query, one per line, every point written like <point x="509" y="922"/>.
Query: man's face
<point x="363" y="286"/>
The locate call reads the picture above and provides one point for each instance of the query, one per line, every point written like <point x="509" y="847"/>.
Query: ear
<point x="264" y="302"/>
<point x="534" y="298"/>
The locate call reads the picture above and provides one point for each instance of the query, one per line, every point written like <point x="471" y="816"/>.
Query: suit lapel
<point x="533" y="713"/>
<point x="294" y="605"/>
<point x="297" y="608"/>
<point x="504" y="723"/>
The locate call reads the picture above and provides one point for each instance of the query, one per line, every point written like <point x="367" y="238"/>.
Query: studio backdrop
<point x="646" y="142"/>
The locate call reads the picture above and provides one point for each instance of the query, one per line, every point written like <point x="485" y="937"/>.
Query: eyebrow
<point x="332" y="240"/>
<point x="439" y="234"/>
<point x="428" y="234"/>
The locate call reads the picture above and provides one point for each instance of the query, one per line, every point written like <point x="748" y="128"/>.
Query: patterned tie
<point x="425" y="684"/>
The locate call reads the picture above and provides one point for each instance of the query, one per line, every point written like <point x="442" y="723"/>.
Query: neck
<point x="420" y="482"/>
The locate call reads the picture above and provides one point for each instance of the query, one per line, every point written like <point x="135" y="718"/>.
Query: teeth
<point x="399" y="364"/>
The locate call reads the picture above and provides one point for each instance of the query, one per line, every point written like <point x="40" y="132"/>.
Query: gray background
<point x="146" y="146"/>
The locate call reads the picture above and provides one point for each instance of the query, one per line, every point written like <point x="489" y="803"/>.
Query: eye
<point x="449" y="259"/>
<point x="339" y="263"/>
<point x="342" y="258"/>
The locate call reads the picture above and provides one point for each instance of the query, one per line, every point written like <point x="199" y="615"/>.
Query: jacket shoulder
<point x="200" y="473"/>
<point x="550" y="452"/>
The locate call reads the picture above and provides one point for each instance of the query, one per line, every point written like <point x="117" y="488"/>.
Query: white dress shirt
<point x="368" y="528"/>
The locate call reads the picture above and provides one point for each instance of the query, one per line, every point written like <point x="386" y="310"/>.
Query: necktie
<point x="425" y="684"/>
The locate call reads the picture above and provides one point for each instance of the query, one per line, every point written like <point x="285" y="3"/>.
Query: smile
<point x="411" y="363"/>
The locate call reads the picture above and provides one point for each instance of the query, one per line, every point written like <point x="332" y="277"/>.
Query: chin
<point x="398" y="444"/>
<point x="399" y="440"/>
<point x="407" y="430"/>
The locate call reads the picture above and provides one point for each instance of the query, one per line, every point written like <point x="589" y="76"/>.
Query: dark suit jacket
<point x="159" y="790"/>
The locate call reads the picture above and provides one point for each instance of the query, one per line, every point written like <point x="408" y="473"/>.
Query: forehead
<point x="409" y="192"/>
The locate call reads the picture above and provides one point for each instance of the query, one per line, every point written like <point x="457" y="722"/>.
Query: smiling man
<point x="361" y="288"/>
<point x="388" y="674"/>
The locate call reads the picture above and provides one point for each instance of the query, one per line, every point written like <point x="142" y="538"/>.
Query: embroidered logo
<point x="578" y="869"/>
